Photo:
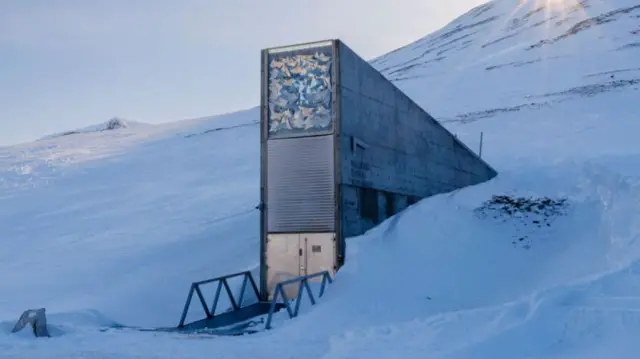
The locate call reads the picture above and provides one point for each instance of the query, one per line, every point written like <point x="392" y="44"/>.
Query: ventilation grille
<point x="300" y="185"/>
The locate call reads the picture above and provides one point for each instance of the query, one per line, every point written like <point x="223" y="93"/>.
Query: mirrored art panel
<point x="300" y="92"/>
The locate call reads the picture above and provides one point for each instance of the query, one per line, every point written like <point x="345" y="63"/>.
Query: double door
<point x="291" y="255"/>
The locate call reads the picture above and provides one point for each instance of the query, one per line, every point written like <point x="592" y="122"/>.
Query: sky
<point x="67" y="64"/>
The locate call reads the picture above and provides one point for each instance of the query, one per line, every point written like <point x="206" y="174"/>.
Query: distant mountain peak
<point x="114" y="123"/>
<point x="507" y="56"/>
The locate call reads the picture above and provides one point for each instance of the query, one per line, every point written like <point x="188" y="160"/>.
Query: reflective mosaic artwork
<point x="300" y="92"/>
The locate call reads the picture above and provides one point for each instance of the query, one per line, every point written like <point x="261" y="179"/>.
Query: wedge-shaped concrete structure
<point x="342" y="149"/>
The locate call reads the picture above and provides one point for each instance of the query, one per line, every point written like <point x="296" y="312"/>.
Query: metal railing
<point x="304" y="284"/>
<point x="222" y="282"/>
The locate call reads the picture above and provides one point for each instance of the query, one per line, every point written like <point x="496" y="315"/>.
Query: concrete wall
<point x="391" y="152"/>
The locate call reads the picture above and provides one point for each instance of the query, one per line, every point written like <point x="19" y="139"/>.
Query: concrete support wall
<point x="391" y="151"/>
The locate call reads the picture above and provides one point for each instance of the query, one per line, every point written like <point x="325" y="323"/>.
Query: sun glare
<point x="558" y="7"/>
<point x="552" y="8"/>
<point x="557" y="3"/>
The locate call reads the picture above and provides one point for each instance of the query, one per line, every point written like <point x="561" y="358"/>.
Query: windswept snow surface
<point x="113" y="124"/>
<point x="113" y="226"/>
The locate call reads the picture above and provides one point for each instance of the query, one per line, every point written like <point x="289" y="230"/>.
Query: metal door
<point x="319" y="253"/>
<point x="283" y="262"/>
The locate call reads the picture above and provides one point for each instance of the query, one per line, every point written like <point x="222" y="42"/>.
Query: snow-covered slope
<point x="114" y="225"/>
<point x="556" y="70"/>
<point x="502" y="57"/>
<point x="112" y="124"/>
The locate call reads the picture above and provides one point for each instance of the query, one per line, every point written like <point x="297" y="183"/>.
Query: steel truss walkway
<point x="236" y="320"/>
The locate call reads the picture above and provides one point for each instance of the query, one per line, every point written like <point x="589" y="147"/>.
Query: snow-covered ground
<point x="114" y="225"/>
<point x="114" y="123"/>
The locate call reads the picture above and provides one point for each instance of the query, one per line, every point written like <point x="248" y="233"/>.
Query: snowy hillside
<point x="567" y="64"/>
<point x="114" y="123"/>
<point x="541" y="262"/>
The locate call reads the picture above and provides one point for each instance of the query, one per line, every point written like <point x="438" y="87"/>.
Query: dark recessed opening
<point x="368" y="203"/>
<point x="389" y="205"/>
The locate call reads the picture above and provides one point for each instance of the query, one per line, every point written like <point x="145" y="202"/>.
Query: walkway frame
<point x="236" y="303"/>
<point x="304" y="284"/>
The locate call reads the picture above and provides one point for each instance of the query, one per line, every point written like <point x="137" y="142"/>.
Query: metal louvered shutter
<point x="300" y="185"/>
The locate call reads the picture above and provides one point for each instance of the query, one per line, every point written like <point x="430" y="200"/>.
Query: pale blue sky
<point x="69" y="63"/>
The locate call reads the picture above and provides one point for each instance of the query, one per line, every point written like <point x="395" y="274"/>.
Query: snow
<point x="106" y="227"/>
<point x="113" y="124"/>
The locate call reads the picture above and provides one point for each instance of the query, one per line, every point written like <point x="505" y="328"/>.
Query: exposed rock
<point x="532" y="213"/>
<point x="115" y="123"/>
